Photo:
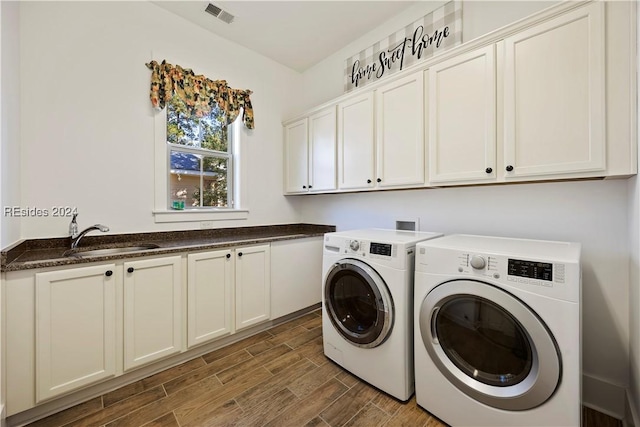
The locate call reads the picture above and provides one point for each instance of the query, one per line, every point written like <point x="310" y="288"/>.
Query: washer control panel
<point x="514" y="270"/>
<point x="369" y="249"/>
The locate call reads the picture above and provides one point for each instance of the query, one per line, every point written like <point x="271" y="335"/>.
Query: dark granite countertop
<point x="53" y="252"/>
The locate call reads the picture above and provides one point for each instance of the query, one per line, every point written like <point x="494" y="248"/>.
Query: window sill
<point x="162" y="216"/>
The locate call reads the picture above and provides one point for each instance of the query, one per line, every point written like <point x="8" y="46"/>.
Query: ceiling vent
<point x="219" y="13"/>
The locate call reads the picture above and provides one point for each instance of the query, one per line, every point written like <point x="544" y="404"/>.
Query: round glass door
<point x="483" y="340"/>
<point x="490" y="345"/>
<point x="358" y="303"/>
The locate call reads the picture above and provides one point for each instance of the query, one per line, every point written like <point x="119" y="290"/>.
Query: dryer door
<point x="358" y="303"/>
<point x="490" y="345"/>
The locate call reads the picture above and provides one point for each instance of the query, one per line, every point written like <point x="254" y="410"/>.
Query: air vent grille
<point x="226" y="17"/>
<point x="214" y="10"/>
<point x="219" y="13"/>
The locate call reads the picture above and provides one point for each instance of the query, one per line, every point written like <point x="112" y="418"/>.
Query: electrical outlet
<point x="206" y="224"/>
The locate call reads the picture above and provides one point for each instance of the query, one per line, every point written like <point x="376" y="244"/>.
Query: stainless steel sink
<point x="81" y="253"/>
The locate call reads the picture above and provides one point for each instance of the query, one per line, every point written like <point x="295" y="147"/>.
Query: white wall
<point x="9" y="150"/>
<point x="594" y="213"/>
<point x="634" y="286"/>
<point x="88" y="140"/>
<point x="325" y="80"/>
<point x="10" y="123"/>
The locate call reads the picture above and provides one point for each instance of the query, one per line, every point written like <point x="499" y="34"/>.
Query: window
<point x="192" y="154"/>
<point x="201" y="159"/>
<point x="197" y="159"/>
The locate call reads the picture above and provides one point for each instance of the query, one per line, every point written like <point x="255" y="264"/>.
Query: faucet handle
<point x="73" y="227"/>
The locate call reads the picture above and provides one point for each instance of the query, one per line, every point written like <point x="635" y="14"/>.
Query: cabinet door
<point x="253" y="285"/>
<point x="322" y="150"/>
<point x="152" y="310"/>
<point x="554" y="96"/>
<point x="296" y="275"/>
<point x="296" y="157"/>
<point x="355" y="143"/>
<point x="400" y="132"/>
<point x="462" y="118"/>
<point x="75" y="329"/>
<point x="209" y="296"/>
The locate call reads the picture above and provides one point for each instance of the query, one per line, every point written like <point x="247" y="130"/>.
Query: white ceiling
<point x="298" y="34"/>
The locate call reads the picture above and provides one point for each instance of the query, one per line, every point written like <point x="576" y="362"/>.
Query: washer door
<point x="490" y="345"/>
<point x="358" y="303"/>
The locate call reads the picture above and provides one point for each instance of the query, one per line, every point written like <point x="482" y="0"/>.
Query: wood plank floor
<point x="276" y="378"/>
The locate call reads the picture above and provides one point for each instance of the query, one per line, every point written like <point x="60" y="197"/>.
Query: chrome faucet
<point x="73" y="227"/>
<point x="75" y="240"/>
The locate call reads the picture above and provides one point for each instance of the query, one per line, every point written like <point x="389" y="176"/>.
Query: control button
<point x="477" y="262"/>
<point x="460" y="269"/>
<point x="354" y="245"/>
<point x="496" y="275"/>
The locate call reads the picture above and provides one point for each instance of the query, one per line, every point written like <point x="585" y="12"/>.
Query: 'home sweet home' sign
<point x="436" y="31"/>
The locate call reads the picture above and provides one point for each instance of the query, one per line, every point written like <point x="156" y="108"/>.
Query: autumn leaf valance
<point x="199" y="94"/>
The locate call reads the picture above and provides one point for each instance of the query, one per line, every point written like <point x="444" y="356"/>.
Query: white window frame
<point x="161" y="212"/>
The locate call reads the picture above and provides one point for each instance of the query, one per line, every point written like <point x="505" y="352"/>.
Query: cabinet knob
<point x="228" y="256"/>
<point x="130" y="270"/>
<point x="488" y="170"/>
<point x="239" y="253"/>
<point x="108" y="273"/>
<point x="310" y="186"/>
<point x="378" y="180"/>
<point x="304" y="186"/>
<point x="509" y="168"/>
<point x="368" y="181"/>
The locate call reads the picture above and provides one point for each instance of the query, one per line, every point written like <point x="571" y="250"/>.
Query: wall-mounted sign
<point x="435" y="32"/>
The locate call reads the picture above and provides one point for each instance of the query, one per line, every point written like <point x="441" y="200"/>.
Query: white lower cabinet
<point x="75" y="329"/>
<point x="221" y="283"/>
<point x="296" y="275"/>
<point x="252" y="285"/>
<point x="209" y="296"/>
<point x="67" y="329"/>
<point x="152" y="310"/>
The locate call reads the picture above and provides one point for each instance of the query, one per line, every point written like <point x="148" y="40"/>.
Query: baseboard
<point x="631" y="418"/>
<point x="603" y="396"/>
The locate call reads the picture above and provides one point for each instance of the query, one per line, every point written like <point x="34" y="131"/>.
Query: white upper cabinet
<point x="400" y="132"/>
<point x="322" y="150"/>
<point x="554" y="96"/>
<point x="548" y="97"/>
<point x="356" y="143"/>
<point x="310" y="153"/>
<point x="462" y="118"/>
<point x="296" y="156"/>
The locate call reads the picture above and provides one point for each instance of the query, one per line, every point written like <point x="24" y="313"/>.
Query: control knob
<point x="477" y="262"/>
<point x="354" y="245"/>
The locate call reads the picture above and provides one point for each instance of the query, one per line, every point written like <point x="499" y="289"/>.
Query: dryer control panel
<point x="515" y="270"/>
<point x="546" y="268"/>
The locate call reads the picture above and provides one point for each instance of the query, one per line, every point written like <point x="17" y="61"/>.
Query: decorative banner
<point x="435" y="32"/>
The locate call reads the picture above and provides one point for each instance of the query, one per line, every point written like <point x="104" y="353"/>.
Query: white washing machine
<point x="367" y="300"/>
<point x="497" y="331"/>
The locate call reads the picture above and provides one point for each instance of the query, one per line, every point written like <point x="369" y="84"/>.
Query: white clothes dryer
<point x="497" y="331"/>
<point x="367" y="303"/>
